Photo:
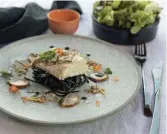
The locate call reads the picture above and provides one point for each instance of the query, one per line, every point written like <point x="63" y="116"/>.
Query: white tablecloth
<point x="130" y="119"/>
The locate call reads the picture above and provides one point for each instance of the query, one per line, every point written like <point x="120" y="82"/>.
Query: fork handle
<point x="146" y="97"/>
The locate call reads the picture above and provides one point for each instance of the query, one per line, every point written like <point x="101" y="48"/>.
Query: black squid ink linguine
<point x="60" y="70"/>
<point x="60" y="87"/>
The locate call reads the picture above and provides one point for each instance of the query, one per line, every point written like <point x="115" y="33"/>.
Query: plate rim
<point x="38" y="37"/>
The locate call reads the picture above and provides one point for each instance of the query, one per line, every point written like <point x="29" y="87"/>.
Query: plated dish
<point x="89" y="83"/>
<point x="62" y="71"/>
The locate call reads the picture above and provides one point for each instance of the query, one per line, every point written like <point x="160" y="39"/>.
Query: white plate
<point x="117" y="93"/>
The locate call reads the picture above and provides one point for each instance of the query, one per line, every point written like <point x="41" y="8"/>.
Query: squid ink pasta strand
<point x="60" y="87"/>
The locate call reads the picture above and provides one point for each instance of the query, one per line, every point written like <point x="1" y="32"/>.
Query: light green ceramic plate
<point x="117" y="93"/>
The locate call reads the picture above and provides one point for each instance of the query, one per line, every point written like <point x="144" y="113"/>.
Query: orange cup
<point x="63" y="21"/>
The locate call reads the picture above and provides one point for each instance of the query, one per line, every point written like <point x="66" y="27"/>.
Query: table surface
<point x="130" y="119"/>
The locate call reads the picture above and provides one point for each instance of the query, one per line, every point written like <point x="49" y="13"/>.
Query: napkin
<point x="18" y="23"/>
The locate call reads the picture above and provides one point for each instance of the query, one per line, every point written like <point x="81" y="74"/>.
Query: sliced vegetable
<point x="13" y="89"/>
<point x="98" y="77"/>
<point x="19" y="83"/>
<point x="70" y="100"/>
<point x="97" y="67"/>
<point x="59" y="51"/>
<point x="98" y="103"/>
<point x="116" y="78"/>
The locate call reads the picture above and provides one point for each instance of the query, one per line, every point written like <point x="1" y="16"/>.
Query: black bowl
<point x="124" y="36"/>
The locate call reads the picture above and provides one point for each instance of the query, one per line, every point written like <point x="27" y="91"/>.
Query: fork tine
<point x="145" y="51"/>
<point x="140" y="49"/>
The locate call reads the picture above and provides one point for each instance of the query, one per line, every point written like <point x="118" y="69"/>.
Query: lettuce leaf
<point x="133" y="15"/>
<point x="106" y="16"/>
<point x="116" y="4"/>
<point x="153" y="8"/>
<point x="140" y="20"/>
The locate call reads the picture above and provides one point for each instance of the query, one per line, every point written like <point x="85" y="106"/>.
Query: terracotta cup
<point x="63" y="21"/>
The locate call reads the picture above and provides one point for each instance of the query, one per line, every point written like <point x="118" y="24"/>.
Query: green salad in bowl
<point x="133" y="15"/>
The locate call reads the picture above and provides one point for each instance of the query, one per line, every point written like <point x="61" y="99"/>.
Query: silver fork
<point x="140" y="56"/>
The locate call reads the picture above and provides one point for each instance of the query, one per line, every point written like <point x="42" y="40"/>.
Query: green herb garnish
<point x="83" y="55"/>
<point x="60" y="100"/>
<point x="46" y="56"/>
<point x="5" y="74"/>
<point x="108" y="71"/>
